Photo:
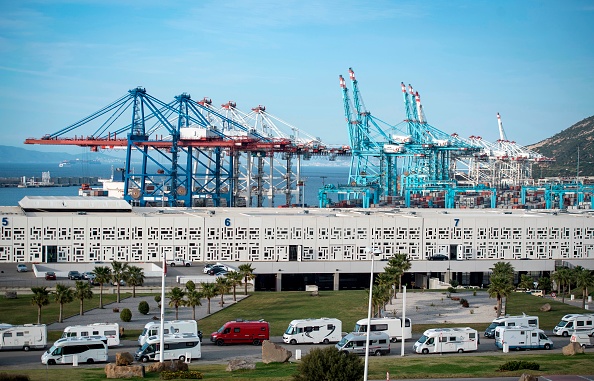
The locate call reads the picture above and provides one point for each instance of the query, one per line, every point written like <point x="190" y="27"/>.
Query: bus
<point x="109" y="330"/>
<point x="183" y="347"/>
<point x="76" y="349"/>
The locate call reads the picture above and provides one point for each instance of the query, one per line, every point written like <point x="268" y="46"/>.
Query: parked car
<point x="22" y="268"/>
<point x="50" y="275"/>
<point x="439" y="257"/>
<point x="208" y="267"/>
<point x="122" y="283"/>
<point x="221" y="273"/>
<point x="88" y="275"/>
<point x="216" y="270"/>
<point x="74" y="275"/>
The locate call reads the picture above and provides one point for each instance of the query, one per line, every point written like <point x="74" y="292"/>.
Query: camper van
<point x="323" y="330"/>
<point x="240" y="331"/>
<point x="179" y="346"/>
<point x="572" y="322"/>
<point x="582" y="338"/>
<point x="391" y="326"/>
<point x="76" y="349"/>
<point x="109" y="330"/>
<point x="511" y="321"/>
<point x="355" y="342"/>
<point x="522" y="338"/>
<point x="25" y="337"/>
<point x="171" y="327"/>
<point x="442" y="340"/>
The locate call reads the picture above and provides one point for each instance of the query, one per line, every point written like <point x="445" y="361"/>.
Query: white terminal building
<point x="290" y="248"/>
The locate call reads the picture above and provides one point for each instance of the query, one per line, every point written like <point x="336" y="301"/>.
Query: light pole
<point x="373" y="252"/>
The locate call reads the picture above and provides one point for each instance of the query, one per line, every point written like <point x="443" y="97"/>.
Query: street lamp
<point x="373" y="252"/>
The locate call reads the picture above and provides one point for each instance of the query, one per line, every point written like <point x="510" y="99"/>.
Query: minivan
<point x="355" y="342"/>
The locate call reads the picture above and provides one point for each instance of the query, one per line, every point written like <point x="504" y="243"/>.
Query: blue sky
<point x="531" y="61"/>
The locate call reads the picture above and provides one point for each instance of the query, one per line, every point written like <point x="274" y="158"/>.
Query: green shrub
<point x="181" y="374"/>
<point x="517" y="365"/>
<point x="451" y="290"/>
<point x="143" y="307"/>
<point x="454" y="283"/>
<point x="126" y="315"/>
<point x="158" y="299"/>
<point x="329" y="364"/>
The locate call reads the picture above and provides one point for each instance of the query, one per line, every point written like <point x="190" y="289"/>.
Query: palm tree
<point x="247" y="271"/>
<point x="398" y="265"/>
<point x="380" y="297"/>
<point x="40" y="298"/>
<point x="82" y="292"/>
<point x="63" y="295"/>
<point x="234" y="279"/>
<point x="584" y="279"/>
<point x="176" y="299"/>
<point x="193" y="297"/>
<point x="561" y="277"/>
<point x="223" y="286"/>
<point x="502" y="283"/>
<point x="526" y="282"/>
<point x="209" y="291"/>
<point x="135" y="277"/>
<point x="120" y="269"/>
<point x="102" y="276"/>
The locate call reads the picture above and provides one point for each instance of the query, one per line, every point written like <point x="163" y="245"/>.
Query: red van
<point x="240" y="332"/>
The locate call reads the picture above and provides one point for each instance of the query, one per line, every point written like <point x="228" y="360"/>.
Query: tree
<point x="526" y="282"/>
<point x="545" y="284"/>
<point x="63" y="295"/>
<point x="193" y="297"/>
<point x="247" y="272"/>
<point x="102" y="276"/>
<point x="223" y="287"/>
<point x="40" y="298"/>
<point x="329" y="364"/>
<point x="234" y="279"/>
<point x="134" y="277"/>
<point x="561" y="277"/>
<point x="397" y="266"/>
<point x="82" y="291"/>
<point x="176" y="299"/>
<point x="501" y="283"/>
<point x="119" y="273"/>
<point x="383" y="295"/>
<point x="209" y="291"/>
<point x="584" y="279"/>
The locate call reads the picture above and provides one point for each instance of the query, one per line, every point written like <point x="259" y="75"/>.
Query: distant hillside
<point x="564" y="148"/>
<point x="9" y="154"/>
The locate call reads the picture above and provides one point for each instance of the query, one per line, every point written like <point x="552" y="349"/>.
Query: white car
<point x="22" y="268"/>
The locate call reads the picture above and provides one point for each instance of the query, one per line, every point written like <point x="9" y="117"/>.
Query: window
<point x="95" y="333"/>
<point x="532" y="322"/>
<point x="580" y="323"/>
<point x="110" y="333"/>
<point x="472" y="335"/>
<point x="534" y="334"/>
<point x="308" y="329"/>
<point x="190" y="344"/>
<point x="84" y="333"/>
<point x="20" y="334"/>
<point x="8" y="334"/>
<point x="383" y="341"/>
<point x="330" y="327"/>
<point x="236" y="329"/>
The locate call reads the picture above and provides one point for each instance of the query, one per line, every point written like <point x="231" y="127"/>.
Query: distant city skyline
<point x="531" y="61"/>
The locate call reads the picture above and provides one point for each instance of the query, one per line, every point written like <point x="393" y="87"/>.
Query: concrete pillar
<point x="279" y="281"/>
<point x="336" y="281"/>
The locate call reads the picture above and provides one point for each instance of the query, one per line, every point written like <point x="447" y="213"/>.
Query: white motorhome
<point x="184" y="347"/>
<point x="356" y="342"/>
<point x="391" y="326"/>
<point x="511" y="321"/>
<point x="323" y="330"/>
<point x="109" y="330"/>
<point x="522" y="338"/>
<point x="25" y="337"/>
<point x="171" y="327"/>
<point x="76" y="350"/>
<point x="442" y="340"/>
<point x="572" y="322"/>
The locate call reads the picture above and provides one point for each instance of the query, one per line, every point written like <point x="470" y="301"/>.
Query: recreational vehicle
<point x="582" y="338"/>
<point x="184" y="347"/>
<point x="239" y="331"/>
<point x="76" y="350"/>
<point x="391" y="326"/>
<point x="511" y="321"/>
<point x="522" y="338"/>
<point x="355" y="342"/>
<point x="323" y="330"/>
<point x="171" y="327"/>
<point x="25" y="337"/>
<point x="572" y="322"/>
<point x="109" y="330"/>
<point x="442" y="340"/>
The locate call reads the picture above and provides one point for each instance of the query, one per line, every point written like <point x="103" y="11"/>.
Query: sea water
<point x="314" y="176"/>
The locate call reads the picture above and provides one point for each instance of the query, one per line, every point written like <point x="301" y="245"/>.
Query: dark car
<point x="439" y="257"/>
<point x="50" y="275"/>
<point x="74" y="275"/>
<point x="216" y="270"/>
